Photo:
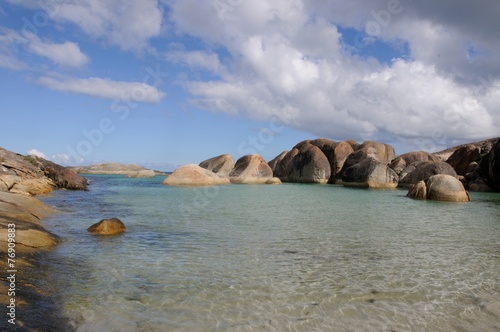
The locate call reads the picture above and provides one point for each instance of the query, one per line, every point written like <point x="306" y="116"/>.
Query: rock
<point x="273" y="181"/>
<point x="399" y="164"/>
<point x="251" y="169"/>
<point x="381" y="152"/>
<point x="145" y="173"/>
<point x="284" y="166"/>
<point x="25" y="212"/>
<point x="418" y="191"/>
<point x="64" y="178"/>
<point x="462" y="157"/>
<point x="494" y="165"/>
<point x="370" y="173"/>
<point x="276" y="161"/>
<point x="310" y="165"/>
<point x="443" y="187"/>
<point x="110" y="168"/>
<point x="194" y="175"/>
<point x="342" y="151"/>
<point x="222" y="164"/>
<point x="33" y="186"/>
<point x="107" y="227"/>
<point x="422" y="170"/>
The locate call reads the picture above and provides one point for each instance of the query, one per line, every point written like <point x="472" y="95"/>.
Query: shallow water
<point x="276" y="258"/>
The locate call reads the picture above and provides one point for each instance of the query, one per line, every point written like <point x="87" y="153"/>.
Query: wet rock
<point x="107" y="227"/>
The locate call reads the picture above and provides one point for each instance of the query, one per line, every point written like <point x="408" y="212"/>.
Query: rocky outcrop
<point x="131" y="170"/>
<point x="222" y="165"/>
<point x="309" y="165"/>
<point x="422" y="170"/>
<point x="194" y="175"/>
<point x="494" y="166"/>
<point x="107" y="227"/>
<point x="31" y="175"/>
<point x="441" y="187"/>
<point x="25" y="213"/>
<point x="463" y="157"/>
<point x="370" y="173"/>
<point x="284" y="165"/>
<point x="367" y="166"/>
<point x="336" y="153"/>
<point x="399" y="164"/>
<point x="276" y="161"/>
<point x="251" y="169"/>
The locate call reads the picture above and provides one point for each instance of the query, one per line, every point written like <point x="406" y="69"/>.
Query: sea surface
<point x="289" y="257"/>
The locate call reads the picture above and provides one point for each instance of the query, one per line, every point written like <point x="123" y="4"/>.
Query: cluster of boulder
<point x="367" y="165"/>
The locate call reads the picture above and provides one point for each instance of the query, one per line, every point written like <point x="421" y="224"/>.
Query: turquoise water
<point x="275" y="258"/>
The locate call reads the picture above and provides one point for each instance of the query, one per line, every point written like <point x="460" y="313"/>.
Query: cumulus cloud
<point x="289" y="59"/>
<point x="128" y="24"/>
<point x="105" y="88"/>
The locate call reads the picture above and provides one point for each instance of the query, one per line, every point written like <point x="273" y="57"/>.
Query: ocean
<point x="291" y="257"/>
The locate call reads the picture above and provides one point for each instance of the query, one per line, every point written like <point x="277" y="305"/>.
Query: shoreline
<point x="26" y="285"/>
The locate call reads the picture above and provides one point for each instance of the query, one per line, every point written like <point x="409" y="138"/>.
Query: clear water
<point x="275" y="258"/>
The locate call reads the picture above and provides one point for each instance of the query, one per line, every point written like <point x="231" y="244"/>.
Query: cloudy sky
<point x="169" y="82"/>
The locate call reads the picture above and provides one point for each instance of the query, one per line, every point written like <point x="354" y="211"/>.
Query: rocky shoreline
<point x="444" y="175"/>
<point x="372" y="165"/>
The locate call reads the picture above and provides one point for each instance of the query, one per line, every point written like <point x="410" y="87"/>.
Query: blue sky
<point x="165" y="83"/>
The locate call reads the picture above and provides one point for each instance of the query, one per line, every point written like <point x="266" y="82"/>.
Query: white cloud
<point x="105" y="88"/>
<point x="287" y="59"/>
<point x="35" y="152"/>
<point x="128" y="24"/>
<point x="65" y="54"/>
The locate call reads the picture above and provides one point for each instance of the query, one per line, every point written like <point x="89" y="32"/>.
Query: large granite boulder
<point x="370" y="173"/>
<point x="336" y="152"/>
<point x="222" y="164"/>
<point x="142" y="174"/>
<point x="277" y="160"/>
<point x="63" y="177"/>
<point x="107" y="227"/>
<point x="399" y="164"/>
<point x="494" y="166"/>
<point x="440" y="187"/>
<point x="422" y="170"/>
<point x="463" y="157"/>
<point x="381" y="152"/>
<point x="25" y="213"/>
<point x="194" y="175"/>
<point x="251" y="169"/>
<point x="284" y="166"/>
<point x="310" y="165"/>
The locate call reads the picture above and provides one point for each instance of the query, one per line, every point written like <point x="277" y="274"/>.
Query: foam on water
<point x="277" y="258"/>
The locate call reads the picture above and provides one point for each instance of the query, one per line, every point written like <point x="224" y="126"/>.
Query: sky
<point x="170" y="82"/>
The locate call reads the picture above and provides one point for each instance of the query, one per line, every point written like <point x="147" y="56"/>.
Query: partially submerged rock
<point x="107" y="227"/>
<point x="310" y="165"/>
<point x="194" y="175"/>
<point x="422" y="170"/>
<point x="370" y="173"/>
<point x="441" y="187"/>
<point x="251" y="169"/>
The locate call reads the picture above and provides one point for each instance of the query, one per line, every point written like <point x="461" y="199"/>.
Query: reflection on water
<point x="277" y="258"/>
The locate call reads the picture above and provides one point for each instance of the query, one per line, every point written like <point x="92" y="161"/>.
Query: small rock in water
<point x="105" y="227"/>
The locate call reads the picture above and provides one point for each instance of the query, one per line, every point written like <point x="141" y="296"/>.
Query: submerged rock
<point x="107" y="227"/>
<point x="194" y="175"/>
